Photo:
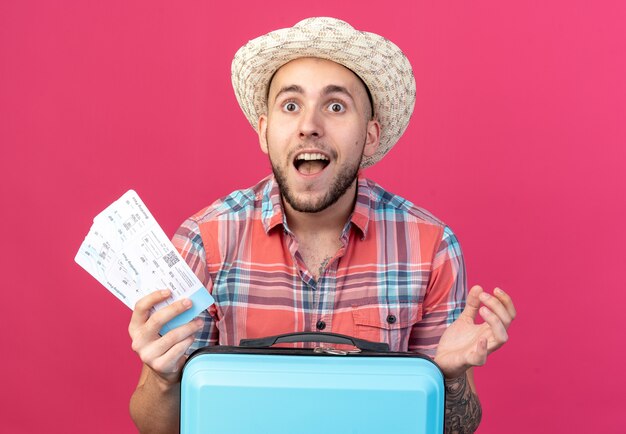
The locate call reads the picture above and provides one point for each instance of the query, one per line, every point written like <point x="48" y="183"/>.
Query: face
<point x="316" y="131"/>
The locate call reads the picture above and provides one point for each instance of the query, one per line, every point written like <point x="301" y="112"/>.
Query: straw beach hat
<point x="378" y="62"/>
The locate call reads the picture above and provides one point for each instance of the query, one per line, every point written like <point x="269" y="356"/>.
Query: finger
<point x="173" y="338"/>
<point x="495" y="305"/>
<point x="146" y="339"/>
<point x="498" y="331"/>
<point x="473" y="302"/>
<point x="171" y="362"/>
<point x="141" y="312"/>
<point x="161" y="317"/>
<point x="151" y="350"/>
<point x="506" y="301"/>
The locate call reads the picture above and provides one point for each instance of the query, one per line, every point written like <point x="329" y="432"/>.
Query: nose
<point x="311" y="124"/>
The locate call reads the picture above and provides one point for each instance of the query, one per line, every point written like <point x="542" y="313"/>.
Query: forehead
<point x="311" y="73"/>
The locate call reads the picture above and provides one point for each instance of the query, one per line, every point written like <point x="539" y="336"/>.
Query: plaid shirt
<point x="399" y="277"/>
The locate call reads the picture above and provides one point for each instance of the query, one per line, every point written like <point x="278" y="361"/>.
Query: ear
<point x="262" y="132"/>
<point x="372" y="140"/>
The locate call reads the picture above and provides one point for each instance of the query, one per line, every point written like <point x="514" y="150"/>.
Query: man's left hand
<point x="465" y="343"/>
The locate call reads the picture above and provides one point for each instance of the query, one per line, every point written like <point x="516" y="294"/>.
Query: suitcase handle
<point x="329" y="338"/>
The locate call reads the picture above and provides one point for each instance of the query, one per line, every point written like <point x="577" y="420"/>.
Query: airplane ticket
<point x="127" y="251"/>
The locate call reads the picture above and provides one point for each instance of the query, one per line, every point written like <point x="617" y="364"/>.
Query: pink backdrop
<point x="517" y="142"/>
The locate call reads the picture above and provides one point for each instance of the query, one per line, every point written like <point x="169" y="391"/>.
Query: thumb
<point x="473" y="302"/>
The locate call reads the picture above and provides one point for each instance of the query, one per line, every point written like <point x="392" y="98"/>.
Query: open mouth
<point x="310" y="163"/>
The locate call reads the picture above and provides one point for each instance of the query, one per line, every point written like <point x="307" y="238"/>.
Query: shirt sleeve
<point x="188" y="241"/>
<point x="445" y="295"/>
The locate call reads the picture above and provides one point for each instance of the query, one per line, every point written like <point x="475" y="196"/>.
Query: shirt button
<point x="391" y="319"/>
<point x="321" y="325"/>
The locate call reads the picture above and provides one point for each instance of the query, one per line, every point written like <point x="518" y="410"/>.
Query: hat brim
<point x="377" y="61"/>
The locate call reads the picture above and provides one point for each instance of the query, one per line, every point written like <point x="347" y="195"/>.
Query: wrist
<point x="165" y="384"/>
<point x="451" y="372"/>
<point x="454" y="384"/>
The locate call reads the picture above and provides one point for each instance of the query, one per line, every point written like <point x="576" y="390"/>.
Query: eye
<point x="336" y="107"/>
<point x="290" y="106"/>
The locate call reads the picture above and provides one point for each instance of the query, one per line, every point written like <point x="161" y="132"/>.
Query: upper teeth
<point x="308" y="156"/>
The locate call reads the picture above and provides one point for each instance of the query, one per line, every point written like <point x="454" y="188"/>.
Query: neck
<point x="331" y="219"/>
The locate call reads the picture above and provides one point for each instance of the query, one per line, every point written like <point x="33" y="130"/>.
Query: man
<point x="317" y="246"/>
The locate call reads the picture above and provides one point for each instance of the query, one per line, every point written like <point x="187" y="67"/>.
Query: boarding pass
<point x="127" y="251"/>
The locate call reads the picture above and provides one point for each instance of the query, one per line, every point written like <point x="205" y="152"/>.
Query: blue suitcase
<point x="257" y="389"/>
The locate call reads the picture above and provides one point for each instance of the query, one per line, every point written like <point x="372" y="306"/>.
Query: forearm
<point x="463" y="411"/>
<point x="154" y="406"/>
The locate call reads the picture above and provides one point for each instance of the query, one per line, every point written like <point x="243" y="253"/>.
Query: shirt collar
<point x="273" y="214"/>
<point x="271" y="205"/>
<point x="361" y="214"/>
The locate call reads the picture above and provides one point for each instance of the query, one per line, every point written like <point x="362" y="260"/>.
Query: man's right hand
<point x="164" y="355"/>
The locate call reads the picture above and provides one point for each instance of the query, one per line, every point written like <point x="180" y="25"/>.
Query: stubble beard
<point x="346" y="176"/>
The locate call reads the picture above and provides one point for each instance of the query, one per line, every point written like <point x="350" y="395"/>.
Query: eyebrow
<point x="288" y="89"/>
<point x="332" y="88"/>
<point x="328" y="90"/>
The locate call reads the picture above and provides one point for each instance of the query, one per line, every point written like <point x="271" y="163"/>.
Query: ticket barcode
<point x="171" y="259"/>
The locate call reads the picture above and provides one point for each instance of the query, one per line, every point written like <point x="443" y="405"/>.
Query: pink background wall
<point x="517" y="142"/>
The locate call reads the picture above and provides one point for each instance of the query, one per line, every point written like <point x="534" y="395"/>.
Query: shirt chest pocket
<point x="391" y="323"/>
